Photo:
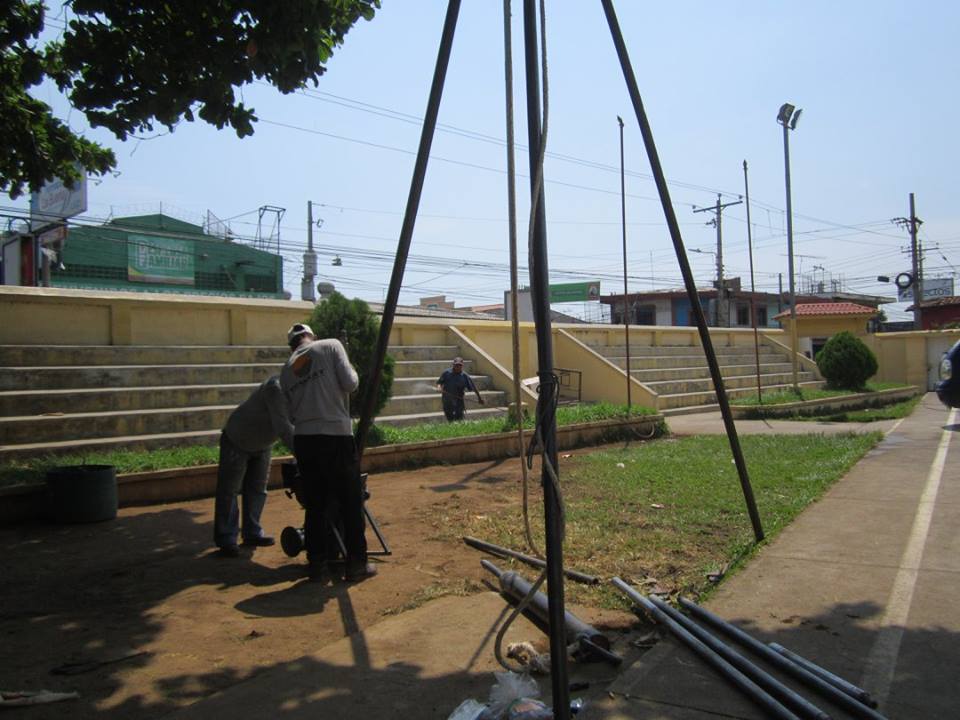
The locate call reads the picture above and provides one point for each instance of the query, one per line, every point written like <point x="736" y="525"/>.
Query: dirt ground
<point x="142" y="617"/>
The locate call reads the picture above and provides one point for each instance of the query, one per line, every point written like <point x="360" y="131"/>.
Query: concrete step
<point x="74" y="426"/>
<point x="427" y="368"/>
<point x="473" y="413"/>
<point x="695" y="360"/>
<point x="649" y="376"/>
<point x="692" y="361"/>
<point x="10" y="453"/>
<point x="675" y="350"/>
<point x="431" y="402"/>
<point x="91" y="400"/>
<point x="424" y="385"/>
<point x="707" y="399"/>
<point x="441" y="353"/>
<point x="57" y="355"/>
<point x="693" y="385"/>
<point x="67" y="377"/>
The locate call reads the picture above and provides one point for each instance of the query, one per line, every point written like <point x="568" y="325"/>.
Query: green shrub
<point x="357" y="327"/>
<point x="846" y="362"/>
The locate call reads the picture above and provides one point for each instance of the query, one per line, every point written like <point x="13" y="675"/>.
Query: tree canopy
<point x="131" y="65"/>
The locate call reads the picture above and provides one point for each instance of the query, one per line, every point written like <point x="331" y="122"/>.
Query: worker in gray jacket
<point x="317" y="381"/>
<point x="244" y="466"/>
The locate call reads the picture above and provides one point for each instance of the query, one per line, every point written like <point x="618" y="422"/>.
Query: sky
<point x="876" y="126"/>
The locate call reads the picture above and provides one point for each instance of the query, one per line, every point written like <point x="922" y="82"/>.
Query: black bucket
<point x="82" y="493"/>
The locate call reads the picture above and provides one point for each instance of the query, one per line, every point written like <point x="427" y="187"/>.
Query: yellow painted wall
<point x="59" y="316"/>
<point x="600" y="379"/>
<point x="824" y="327"/>
<point x="85" y="317"/>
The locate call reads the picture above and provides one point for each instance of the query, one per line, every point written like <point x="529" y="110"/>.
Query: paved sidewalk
<point x="863" y="583"/>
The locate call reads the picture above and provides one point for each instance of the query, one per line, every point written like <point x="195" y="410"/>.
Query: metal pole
<point x="518" y="587"/>
<point x="691" y="287"/>
<point x="623" y="224"/>
<point x="795" y="701"/>
<point x="808" y="678"/>
<point x="503" y="552"/>
<point x="409" y="220"/>
<point x="839" y="683"/>
<point x="753" y="287"/>
<point x="917" y="282"/>
<point x="723" y="318"/>
<point x="512" y="232"/>
<point x="793" y="296"/>
<point x="546" y="419"/>
<point x="744" y="684"/>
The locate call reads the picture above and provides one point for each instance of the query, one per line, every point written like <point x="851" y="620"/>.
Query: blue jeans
<point x="239" y="472"/>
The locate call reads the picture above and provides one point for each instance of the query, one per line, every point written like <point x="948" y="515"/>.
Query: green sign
<point x="159" y="260"/>
<point x="575" y="292"/>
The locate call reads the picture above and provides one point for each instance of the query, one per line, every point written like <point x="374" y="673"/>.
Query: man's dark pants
<point x="332" y="491"/>
<point x="453" y="409"/>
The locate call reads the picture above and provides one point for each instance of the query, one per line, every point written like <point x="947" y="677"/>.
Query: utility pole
<point x="723" y="319"/>
<point x="916" y="258"/>
<point x="307" y="285"/>
<point x="915" y="223"/>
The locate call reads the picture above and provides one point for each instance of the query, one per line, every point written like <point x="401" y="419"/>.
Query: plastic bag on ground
<point x="510" y="687"/>
<point x="468" y="710"/>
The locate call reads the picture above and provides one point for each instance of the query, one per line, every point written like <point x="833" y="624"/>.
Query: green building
<point x="157" y="253"/>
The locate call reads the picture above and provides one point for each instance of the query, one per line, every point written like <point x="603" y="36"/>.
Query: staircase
<point x="73" y="399"/>
<point x="681" y="378"/>
<point x="415" y="397"/>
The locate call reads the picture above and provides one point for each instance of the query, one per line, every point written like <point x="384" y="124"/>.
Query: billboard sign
<point x="933" y="288"/>
<point x="159" y="260"/>
<point x="575" y="292"/>
<point x="55" y="201"/>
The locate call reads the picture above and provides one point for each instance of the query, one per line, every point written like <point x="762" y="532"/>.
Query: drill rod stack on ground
<point x="756" y="683"/>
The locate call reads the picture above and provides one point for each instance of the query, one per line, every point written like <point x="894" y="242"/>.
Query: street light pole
<point x="623" y="224"/>
<point x="788" y="117"/>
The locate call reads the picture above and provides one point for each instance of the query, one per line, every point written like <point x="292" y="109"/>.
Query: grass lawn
<point x="666" y="514"/>
<point x="129" y="461"/>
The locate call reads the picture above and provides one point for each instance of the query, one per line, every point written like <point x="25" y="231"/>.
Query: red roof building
<point x="939" y="313"/>
<point x="818" y="322"/>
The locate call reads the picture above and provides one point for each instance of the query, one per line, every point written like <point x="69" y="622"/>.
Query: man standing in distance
<point x="453" y="383"/>
<point x="317" y="381"/>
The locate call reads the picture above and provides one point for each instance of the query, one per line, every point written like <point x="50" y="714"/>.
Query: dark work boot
<point x="359" y="571"/>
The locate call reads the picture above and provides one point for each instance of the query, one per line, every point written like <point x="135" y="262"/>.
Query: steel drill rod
<point x="810" y="679"/>
<point x="788" y="697"/>
<point x="528" y="559"/>
<point x="516" y="586"/>
<point x="409" y="221"/>
<point x="838" y="682"/>
<point x="696" y="310"/>
<point x="546" y="419"/>
<point x="737" y="678"/>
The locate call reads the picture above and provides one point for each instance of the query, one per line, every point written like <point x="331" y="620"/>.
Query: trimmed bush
<point x="357" y="327"/>
<point x="846" y="362"/>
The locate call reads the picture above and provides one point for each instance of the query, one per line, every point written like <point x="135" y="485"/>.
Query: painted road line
<point x="882" y="661"/>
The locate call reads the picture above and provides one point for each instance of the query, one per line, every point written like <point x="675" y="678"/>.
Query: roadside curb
<point x="853" y="401"/>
